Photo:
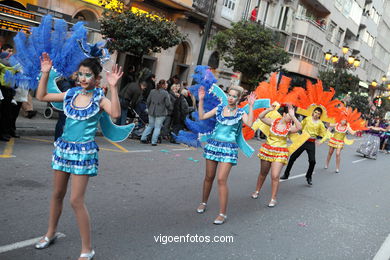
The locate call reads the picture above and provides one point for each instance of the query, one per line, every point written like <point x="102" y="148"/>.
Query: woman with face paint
<point x="336" y="142"/>
<point x="274" y="153"/>
<point x="76" y="152"/>
<point x="222" y="148"/>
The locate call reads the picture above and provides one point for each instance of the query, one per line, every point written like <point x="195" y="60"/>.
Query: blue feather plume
<point x="203" y="77"/>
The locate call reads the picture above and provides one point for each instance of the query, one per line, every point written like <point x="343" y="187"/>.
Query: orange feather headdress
<point x="315" y="96"/>
<point x="276" y="93"/>
<point x="356" y="123"/>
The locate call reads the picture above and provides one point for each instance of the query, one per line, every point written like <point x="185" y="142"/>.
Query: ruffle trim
<point x="221" y="151"/>
<point x="274" y="148"/>
<point x="83" y="113"/>
<point x="276" y="132"/>
<point x="219" y="144"/>
<point x="337" y="129"/>
<point x="228" y="120"/>
<point x="83" y="164"/>
<point x="335" y="143"/>
<point x="63" y="146"/>
<point x="272" y="159"/>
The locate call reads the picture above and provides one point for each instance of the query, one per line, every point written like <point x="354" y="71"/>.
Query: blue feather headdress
<point x="202" y="77"/>
<point x="63" y="46"/>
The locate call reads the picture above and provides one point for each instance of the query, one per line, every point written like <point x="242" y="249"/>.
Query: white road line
<point x="359" y="160"/>
<point x="294" y="177"/>
<point x="384" y="251"/>
<point x="182" y="149"/>
<point x="140" y="151"/>
<point x="24" y="243"/>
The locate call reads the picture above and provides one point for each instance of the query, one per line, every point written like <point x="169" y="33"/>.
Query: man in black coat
<point x="129" y="97"/>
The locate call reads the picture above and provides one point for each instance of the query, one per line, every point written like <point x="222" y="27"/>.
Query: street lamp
<point x="384" y="78"/>
<point x="351" y="60"/>
<point x="328" y="55"/>
<point x="356" y="63"/>
<point x="335" y="58"/>
<point x="345" y="49"/>
<point x="374" y="83"/>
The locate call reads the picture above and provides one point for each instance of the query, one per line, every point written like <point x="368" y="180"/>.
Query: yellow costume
<point x="314" y="129"/>
<point x="337" y="140"/>
<point x="275" y="149"/>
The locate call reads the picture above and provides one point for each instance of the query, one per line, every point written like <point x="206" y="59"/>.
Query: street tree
<point x="138" y="33"/>
<point x="341" y="80"/>
<point x="250" y="49"/>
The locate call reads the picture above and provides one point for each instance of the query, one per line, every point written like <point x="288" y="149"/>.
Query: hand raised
<point x="113" y="76"/>
<point x="46" y="62"/>
<point x="201" y="93"/>
<point x="251" y="99"/>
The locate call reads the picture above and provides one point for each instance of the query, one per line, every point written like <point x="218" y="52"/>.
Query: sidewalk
<point x="38" y="125"/>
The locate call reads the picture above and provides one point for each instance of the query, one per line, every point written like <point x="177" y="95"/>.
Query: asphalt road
<point x="144" y="193"/>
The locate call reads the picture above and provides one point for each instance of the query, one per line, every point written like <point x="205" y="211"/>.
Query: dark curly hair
<point x="93" y="64"/>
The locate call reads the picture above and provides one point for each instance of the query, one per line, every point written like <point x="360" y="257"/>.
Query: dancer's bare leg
<point x="79" y="186"/>
<point x="276" y="168"/>
<point x="338" y="158"/>
<point x="211" y="169"/>
<point x="60" y="185"/>
<point x="264" y="169"/>
<point x="223" y="191"/>
<point x="330" y="153"/>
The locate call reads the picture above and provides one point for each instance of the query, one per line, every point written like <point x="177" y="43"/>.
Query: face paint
<point x="86" y="77"/>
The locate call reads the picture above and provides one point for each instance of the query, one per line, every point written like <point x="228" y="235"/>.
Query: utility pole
<point x="207" y="32"/>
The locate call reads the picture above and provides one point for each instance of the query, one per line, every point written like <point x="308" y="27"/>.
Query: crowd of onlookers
<point x="12" y="100"/>
<point x="160" y="107"/>
<point x="381" y="128"/>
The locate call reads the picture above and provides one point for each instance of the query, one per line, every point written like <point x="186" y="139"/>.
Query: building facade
<point x="306" y="28"/>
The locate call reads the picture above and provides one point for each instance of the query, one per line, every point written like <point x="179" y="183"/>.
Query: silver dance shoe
<point x="46" y="242"/>
<point x="88" y="256"/>
<point x="203" y="209"/>
<point x="220" y="222"/>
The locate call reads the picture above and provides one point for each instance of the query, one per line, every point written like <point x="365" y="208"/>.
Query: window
<point x="306" y="49"/>
<point x="381" y="53"/>
<point x="339" y="36"/>
<point x="283" y="18"/>
<point x="331" y="30"/>
<point x="228" y="9"/>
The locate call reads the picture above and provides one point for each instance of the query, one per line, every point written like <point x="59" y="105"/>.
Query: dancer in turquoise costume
<point x="219" y="123"/>
<point x="76" y="152"/>
<point x="49" y="52"/>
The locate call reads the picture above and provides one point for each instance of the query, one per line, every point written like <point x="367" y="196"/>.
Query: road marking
<point x="37" y="139"/>
<point x="117" y="145"/>
<point x="359" y="160"/>
<point x="182" y="149"/>
<point x="294" y="177"/>
<point x="24" y="243"/>
<point x="8" y="149"/>
<point x="384" y="251"/>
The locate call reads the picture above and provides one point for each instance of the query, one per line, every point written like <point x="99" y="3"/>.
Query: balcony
<point x="313" y="29"/>
<point x="202" y="6"/>
<point x="363" y="22"/>
<point x="320" y="7"/>
<point x="182" y="5"/>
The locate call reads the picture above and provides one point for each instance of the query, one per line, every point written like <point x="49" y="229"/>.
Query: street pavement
<point x="143" y="193"/>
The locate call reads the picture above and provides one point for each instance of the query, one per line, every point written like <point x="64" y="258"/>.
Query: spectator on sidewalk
<point x="63" y="84"/>
<point x="254" y="14"/>
<point x="179" y="113"/>
<point x="159" y="104"/>
<point x="129" y="97"/>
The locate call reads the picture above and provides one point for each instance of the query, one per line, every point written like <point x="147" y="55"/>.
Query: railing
<point x="202" y="6"/>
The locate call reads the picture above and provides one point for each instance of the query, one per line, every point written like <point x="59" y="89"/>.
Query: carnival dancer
<point x="274" y="153"/>
<point x="348" y="121"/>
<point x="76" y="152"/>
<point x="218" y="122"/>
<point x="222" y="148"/>
<point x="316" y="105"/>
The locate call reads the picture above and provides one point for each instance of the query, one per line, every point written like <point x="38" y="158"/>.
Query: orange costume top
<point x="337" y="140"/>
<point x="275" y="149"/>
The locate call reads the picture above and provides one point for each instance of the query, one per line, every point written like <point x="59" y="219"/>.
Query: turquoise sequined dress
<point x="222" y="146"/>
<point x="76" y="151"/>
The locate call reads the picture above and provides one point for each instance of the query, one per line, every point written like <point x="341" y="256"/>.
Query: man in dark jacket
<point x="129" y="97"/>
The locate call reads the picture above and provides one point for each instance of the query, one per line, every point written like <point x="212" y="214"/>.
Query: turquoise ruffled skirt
<point x="79" y="158"/>
<point x="221" y="151"/>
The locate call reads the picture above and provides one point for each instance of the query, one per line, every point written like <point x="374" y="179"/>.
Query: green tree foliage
<point x="249" y="48"/>
<point x="360" y="102"/>
<point x="341" y="80"/>
<point x="138" y="33"/>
